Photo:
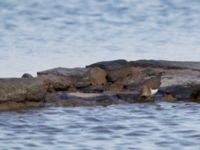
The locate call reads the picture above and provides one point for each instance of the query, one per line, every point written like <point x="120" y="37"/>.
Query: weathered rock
<point x="109" y="65"/>
<point x="180" y="77"/>
<point x="120" y="79"/>
<point x="116" y="87"/>
<point x="179" y="84"/>
<point x="60" y="71"/>
<point x="180" y="92"/>
<point x="166" y="64"/>
<point x="119" y="74"/>
<point x="130" y="77"/>
<point x="22" y="89"/>
<point x="149" y="71"/>
<point x="27" y="75"/>
<point x="80" y="76"/>
<point x="97" y="76"/>
<point x="57" y="83"/>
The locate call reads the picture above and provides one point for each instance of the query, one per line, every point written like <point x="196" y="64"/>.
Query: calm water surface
<point x="136" y="126"/>
<point x="41" y="34"/>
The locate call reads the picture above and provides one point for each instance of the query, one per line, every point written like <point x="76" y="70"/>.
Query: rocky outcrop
<point x="104" y="83"/>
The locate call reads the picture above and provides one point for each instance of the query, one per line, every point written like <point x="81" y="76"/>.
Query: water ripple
<point x="135" y="126"/>
<point x="33" y="33"/>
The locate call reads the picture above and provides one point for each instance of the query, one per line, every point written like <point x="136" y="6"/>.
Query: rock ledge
<point x="104" y="83"/>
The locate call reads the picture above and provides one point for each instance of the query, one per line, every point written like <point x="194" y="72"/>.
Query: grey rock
<point x="181" y="77"/>
<point x="109" y="65"/>
<point x="166" y="64"/>
<point x="57" y="83"/>
<point x="27" y="75"/>
<point x="60" y="71"/>
<point x="179" y="91"/>
<point x="80" y="76"/>
<point x="22" y="89"/>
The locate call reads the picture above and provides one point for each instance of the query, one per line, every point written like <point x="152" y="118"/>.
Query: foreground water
<point x="40" y="34"/>
<point x="136" y="126"/>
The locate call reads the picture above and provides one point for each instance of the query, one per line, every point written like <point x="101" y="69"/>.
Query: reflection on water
<point x="136" y="126"/>
<point x="41" y="34"/>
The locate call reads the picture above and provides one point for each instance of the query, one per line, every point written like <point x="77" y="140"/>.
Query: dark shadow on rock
<point x="166" y="64"/>
<point x="109" y="65"/>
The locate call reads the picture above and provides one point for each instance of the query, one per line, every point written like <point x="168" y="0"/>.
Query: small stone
<point x="27" y="75"/>
<point x="110" y="65"/>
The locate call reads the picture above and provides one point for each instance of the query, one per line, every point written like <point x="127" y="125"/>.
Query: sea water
<point x="40" y="34"/>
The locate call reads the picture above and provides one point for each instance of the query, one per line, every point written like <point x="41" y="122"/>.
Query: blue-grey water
<point x="41" y="34"/>
<point x="162" y="126"/>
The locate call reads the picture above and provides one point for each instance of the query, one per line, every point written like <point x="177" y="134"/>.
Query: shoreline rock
<point x="22" y="89"/>
<point x="103" y="83"/>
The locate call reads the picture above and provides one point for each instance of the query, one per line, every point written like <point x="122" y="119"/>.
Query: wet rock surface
<point x="104" y="83"/>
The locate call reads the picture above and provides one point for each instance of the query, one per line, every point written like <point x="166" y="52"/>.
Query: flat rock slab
<point x="181" y="77"/>
<point x="167" y="64"/>
<point x="109" y="65"/>
<point x="60" y="71"/>
<point x="21" y="89"/>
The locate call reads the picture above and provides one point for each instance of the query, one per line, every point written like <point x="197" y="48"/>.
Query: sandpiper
<point x="150" y="87"/>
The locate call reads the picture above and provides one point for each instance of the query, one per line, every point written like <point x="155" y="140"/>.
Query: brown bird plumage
<point x="147" y="86"/>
